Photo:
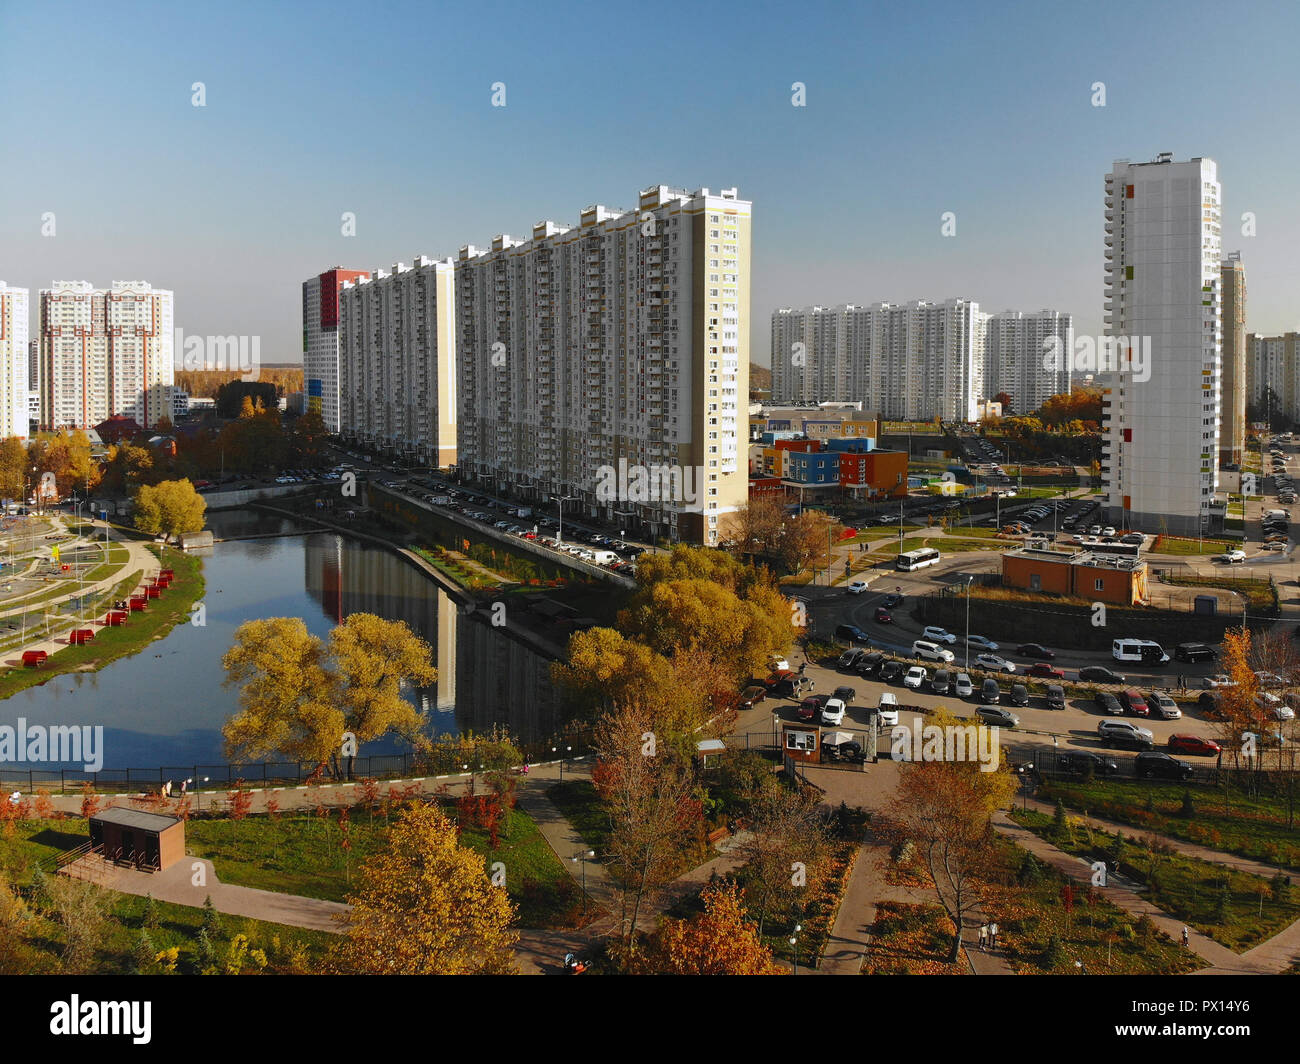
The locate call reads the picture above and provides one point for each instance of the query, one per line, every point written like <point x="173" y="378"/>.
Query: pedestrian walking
<point x="993" y="936"/>
<point x="167" y="789"/>
<point x="984" y="937"/>
<point x="1187" y="938"/>
<point x="184" y="784"/>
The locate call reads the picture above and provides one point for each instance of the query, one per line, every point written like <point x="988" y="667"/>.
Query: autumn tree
<point x="646" y="792"/>
<point x="786" y="851"/>
<point x="127" y="467"/>
<point x="425" y="905"/>
<point x="80" y="908"/>
<point x="66" y="455"/>
<point x="807" y="540"/>
<point x="171" y="508"/>
<point x="719" y="941"/>
<point x="301" y="697"/>
<point x="14" y="473"/>
<point x="944" y="809"/>
<point x="1239" y="709"/>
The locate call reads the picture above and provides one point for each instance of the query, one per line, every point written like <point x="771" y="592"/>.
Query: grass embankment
<point x="1236" y="909"/>
<point x="141" y="629"/>
<point x="1260" y="595"/>
<point x="1181" y="546"/>
<point x="302" y="854"/>
<point x="1255" y="826"/>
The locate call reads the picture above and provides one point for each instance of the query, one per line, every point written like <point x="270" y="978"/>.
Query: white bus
<point x="917" y="559"/>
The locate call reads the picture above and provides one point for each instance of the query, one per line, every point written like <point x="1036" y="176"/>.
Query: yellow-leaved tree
<point x="317" y="702"/>
<point x="719" y="941"/>
<point x="425" y="905"/>
<point x="171" y="508"/>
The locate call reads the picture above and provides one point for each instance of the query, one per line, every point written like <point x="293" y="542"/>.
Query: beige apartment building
<point x="1232" y="431"/>
<point x="606" y="364"/>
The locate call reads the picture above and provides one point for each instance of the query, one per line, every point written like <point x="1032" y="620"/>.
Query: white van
<point x="1143" y="650"/>
<point x="604" y="557"/>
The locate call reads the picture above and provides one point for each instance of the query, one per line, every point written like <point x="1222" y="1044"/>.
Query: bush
<point x="1054" y="956"/>
<point x="1031" y="872"/>
<point x="1281" y="886"/>
<point x="1188" y="808"/>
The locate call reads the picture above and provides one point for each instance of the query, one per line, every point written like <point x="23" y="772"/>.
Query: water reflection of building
<point x="347" y="578"/>
<point x="484" y="676"/>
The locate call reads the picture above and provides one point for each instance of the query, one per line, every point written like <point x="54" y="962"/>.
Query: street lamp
<point x="561" y="499"/>
<point x="794" y="941"/>
<point x="584" y="856"/>
<point x="970" y="578"/>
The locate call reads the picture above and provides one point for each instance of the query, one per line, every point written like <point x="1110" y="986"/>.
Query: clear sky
<point x="385" y="110"/>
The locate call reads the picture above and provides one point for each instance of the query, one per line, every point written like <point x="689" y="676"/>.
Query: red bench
<point x="34" y="658"/>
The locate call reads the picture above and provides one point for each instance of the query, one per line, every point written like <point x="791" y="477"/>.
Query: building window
<point x="1099" y="584"/>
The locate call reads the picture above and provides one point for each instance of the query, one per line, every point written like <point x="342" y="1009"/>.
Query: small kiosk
<point x="149" y="841"/>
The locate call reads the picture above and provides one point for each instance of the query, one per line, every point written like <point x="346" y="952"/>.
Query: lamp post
<point x="584" y="856"/>
<point x="561" y="500"/>
<point x="970" y="578"/>
<point x="794" y="941"/>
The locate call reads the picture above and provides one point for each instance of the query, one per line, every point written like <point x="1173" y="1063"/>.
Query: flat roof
<point x="136" y="818"/>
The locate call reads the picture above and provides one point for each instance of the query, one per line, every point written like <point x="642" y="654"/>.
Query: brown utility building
<point x="150" y="841"/>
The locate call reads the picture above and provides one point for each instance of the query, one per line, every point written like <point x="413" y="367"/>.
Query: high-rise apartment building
<point x="396" y="361"/>
<point x="104" y="352"/>
<point x="1163" y="307"/>
<point x="320" y="343"/>
<point x="1028" y="356"/>
<point x="909" y="361"/>
<point x="1275" y="362"/>
<point x="607" y="363"/>
<point x="1236" y="357"/>
<point x="14" y="351"/>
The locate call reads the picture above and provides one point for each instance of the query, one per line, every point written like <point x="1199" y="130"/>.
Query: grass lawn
<point x="1260" y="594"/>
<point x="1180" y="545"/>
<point x="978" y="533"/>
<point x="893" y="549"/>
<point x="1248" y="825"/>
<point x="113" y="643"/>
<point x="1236" y="909"/>
<point x="300" y="854"/>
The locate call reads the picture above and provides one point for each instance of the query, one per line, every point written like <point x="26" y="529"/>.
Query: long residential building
<point x="397" y="361"/>
<point x="607" y="364"/>
<point x="1163" y="317"/>
<point x="320" y="341"/>
<point x="1236" y="357"/>
<point x="1275" y="362"/>
<point x="14" y="351"/>
<point x="1028" y="356"/>
<point x="104" y="352"/>
<point x="909" y="361"/>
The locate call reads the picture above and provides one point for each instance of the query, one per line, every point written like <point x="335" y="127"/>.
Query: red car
<point x="810" y="708"/>
<point x="1193" y="744"/>
<point x="1135" y="703"/>
<point x="882" y="615"/>
<point x="1050" y="671"/>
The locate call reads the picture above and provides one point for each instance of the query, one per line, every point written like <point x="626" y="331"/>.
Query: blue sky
<point x="385" y="110"/>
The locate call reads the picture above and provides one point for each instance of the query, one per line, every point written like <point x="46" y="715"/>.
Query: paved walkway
<point x="1267" y="958"/>
<point x="177" y="884"/>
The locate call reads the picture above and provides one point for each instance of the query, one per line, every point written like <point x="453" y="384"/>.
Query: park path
<point x="190" y="881"/>
<point x="1267" y="958"/>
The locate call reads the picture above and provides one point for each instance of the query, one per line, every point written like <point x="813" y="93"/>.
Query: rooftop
<point x="135" y="818"/>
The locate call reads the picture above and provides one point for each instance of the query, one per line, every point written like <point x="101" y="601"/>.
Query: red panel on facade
<point x="331" y="281"/>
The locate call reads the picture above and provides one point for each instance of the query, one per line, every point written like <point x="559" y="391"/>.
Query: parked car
<point x="870" y="663"/>
<point x="1125" y="733"/>
<point x="1109" y="704"/>
<point x="1099" y="674"/>
<point x="997" y="716"/>
<point x="850" y="658"/>
<point x="1163" y="706"/>
<point x="1155" y="764"/>
<point x="1041" y="668"/>
<point x="1035" y="650"/>
<point x="1134" y="703"/>
<point x="914" y="677"/>
<point x="1208" y="701"/>
<point x="1196" y="745"/>
<point x="1019" y="695"/>
<point x="994" y="662"/>
<point x="923" y="648"/>
<point x="1085" y="763"/>
<point x="778" y="663"/>
<point x="962" y="686"/>
<point x="1194" y="652"/>
<point x="937" y="635"/>
<point x="990" y="692"/>
<point x="887" y="710"/>
<point x="941" y="681"/>
<point x="1054" y="696"/>
<point x="810" y="708"/>
<point x="891" y="671"/>
<point x="752" y="696"/>
<point x="845" y="693"/>
<point x="833" y="711"/>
